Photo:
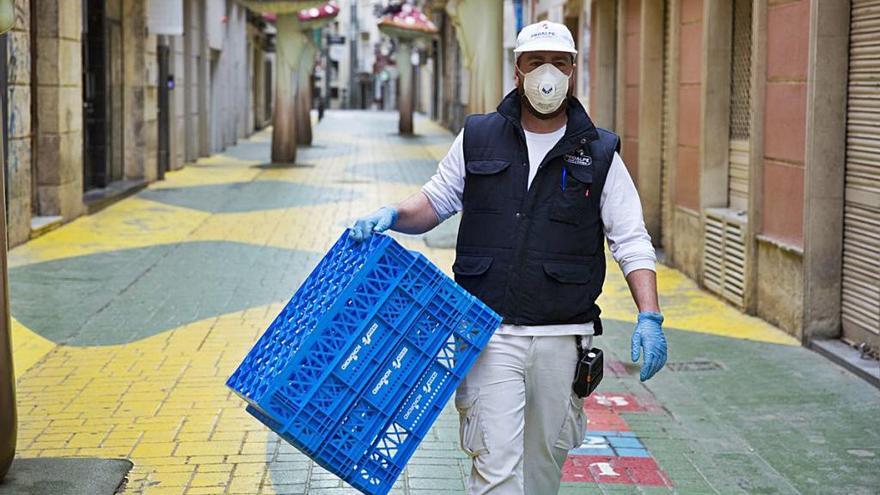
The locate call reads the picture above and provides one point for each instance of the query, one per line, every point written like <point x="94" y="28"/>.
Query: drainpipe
<point x="8" y="418"/>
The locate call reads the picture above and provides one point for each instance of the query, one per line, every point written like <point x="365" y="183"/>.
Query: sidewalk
<point x="127" y="323"/>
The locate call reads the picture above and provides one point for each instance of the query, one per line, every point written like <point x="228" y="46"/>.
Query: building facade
<point x="751" y="130"/>
<point x="104" y="96"/>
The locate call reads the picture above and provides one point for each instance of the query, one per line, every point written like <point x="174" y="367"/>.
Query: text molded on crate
<point x="362" y="359"/>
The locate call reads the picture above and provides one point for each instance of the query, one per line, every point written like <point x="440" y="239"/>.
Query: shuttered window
<point x="861" y="225"/>
<point x="725" y="257"/>
<point x="740" y="106"/>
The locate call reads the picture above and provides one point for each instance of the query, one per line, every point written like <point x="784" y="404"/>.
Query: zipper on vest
<point x="522" y="231"/>
<point x="511" y="304"/>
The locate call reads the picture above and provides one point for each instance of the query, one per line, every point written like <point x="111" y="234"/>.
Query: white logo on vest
<point x="579" y="158"/>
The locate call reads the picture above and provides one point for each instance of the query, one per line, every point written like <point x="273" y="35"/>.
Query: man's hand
<point x="378" y="221"/>
<point x="648" y="336"/>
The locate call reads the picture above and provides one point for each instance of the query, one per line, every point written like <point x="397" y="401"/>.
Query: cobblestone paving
<point x="127" y="323"/>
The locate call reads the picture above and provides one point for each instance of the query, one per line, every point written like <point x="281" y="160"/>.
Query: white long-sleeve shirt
<point x="620" y="208"/>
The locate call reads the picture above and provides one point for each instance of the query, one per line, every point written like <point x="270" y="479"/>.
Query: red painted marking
<point x="619" y="470"/>
<point x="599" y="420"/>
<point x="603" y="414"/>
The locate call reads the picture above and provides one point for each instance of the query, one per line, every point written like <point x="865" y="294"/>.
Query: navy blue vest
<point x="534" y="256"/>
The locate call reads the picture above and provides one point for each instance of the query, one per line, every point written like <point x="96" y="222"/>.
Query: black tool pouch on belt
<point x="588" y="373"/>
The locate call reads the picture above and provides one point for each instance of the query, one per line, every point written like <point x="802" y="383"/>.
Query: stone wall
<point x="19" y="144"/>
<point x="192" y="65"/>
<point x="687" y="242"/>
<point x="59" y="159"/>
<point x="178" y="103"/>
<point x="780" y="285"/>
<point x="230" y="88"/>
<point x="151" y="107"/>
<point x="631" y="92"/>
<point x="135" y="73"/>
<point x="45" y="120"/>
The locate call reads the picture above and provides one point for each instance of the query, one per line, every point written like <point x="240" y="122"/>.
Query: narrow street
<point x="127" y="323"/>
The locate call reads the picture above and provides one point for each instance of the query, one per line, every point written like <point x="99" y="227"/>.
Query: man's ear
<point x="516" y="70"/>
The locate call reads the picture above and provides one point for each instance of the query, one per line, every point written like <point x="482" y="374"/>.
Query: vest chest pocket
<point x="484" y="188"/>
<point x="570" y="204"/>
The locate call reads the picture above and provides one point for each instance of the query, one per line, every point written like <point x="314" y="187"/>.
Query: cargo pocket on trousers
<point x="472" y="435"/>
<point x="571" y="435"/>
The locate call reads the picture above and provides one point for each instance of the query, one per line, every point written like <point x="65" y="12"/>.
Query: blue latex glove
<point x="648" y="336"/>
<point x="378" y="221"/>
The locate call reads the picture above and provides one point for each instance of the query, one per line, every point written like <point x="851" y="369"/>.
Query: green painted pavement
<point x="406" y="171"/>
<point x="126" y="295"/>
<point x="772" y="419"/>
<point x="241" y="197"/>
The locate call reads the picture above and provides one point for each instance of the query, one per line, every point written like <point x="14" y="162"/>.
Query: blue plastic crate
<point x="362" y="359"/>
<point x="392" y="448"/>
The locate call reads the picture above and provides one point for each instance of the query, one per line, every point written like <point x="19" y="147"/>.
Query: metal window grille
<point x="741" y="70"/>
<point x="740" y="103"/>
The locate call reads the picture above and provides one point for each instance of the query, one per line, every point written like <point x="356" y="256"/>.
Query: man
<point x="540" y="189"/>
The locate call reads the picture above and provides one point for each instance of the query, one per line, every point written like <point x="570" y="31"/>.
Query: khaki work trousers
<point x="519" y="416"/>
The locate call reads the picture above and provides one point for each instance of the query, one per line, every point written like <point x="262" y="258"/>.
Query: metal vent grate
<point x="724" y="254"/>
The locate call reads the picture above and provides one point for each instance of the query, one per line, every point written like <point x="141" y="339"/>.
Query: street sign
<point x="335" y="39"/>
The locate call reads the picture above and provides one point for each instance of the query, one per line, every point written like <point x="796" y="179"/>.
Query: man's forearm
<point x="643" y="287"/>
<point x="415" y="215"/>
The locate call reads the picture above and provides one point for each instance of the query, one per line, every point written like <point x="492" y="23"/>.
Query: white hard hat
<point x="545" y="36"/>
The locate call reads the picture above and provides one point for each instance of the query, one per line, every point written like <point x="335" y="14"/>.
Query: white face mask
<point x="546" y="88"/>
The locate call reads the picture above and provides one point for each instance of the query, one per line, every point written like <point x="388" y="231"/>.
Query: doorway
<point x="164" y="138"/>
<point x="96" y="169"/>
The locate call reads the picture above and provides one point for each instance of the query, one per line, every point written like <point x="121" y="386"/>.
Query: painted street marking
<point x="619" y="470"/>
<point x="611" y="443"/>
<point x="611" y="400"/>
<point x="605" y="469"/>
<point x="610" y="452"/>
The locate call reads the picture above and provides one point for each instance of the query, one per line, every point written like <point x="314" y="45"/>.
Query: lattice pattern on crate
<point x="311" y="425"/>
<point x="308" y="370"/>
<point x="301" y="315"/>
<point x="421" y="276"/>
<point x="360" y="386"/>
<point x="399" y="303"/>
<point x="394" y="436"/>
